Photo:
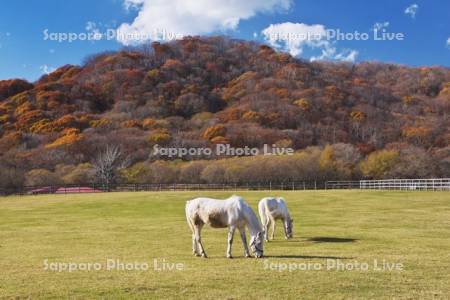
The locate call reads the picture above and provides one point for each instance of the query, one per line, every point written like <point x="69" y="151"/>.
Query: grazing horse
<point x="271" y="209"/>
<point x="233" y="213"/>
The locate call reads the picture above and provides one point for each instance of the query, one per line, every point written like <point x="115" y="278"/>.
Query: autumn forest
<point x="344" y="121"/>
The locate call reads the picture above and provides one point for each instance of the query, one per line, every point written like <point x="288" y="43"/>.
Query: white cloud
<point x="132" y="4"/>
<point x="448" y="42"/>
<point x="412" y="10"/>
<point x="380" y="25"/>
<point x="90" y="26"/>
<point x="93" y="28"/>
<point x="295" y="37"/>
<point x="347" y="55"/>
<point x="158" y="18"/>
<point x="45" y="69"/>
<point x="330" y="53"/>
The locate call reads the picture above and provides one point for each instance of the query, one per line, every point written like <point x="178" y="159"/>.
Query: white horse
<point x="272" y="209"/>
<point x="233" y="213"/>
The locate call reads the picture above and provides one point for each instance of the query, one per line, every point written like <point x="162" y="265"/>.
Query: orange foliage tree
<point x="214" y="131"/>
<point x="68" y="138"/>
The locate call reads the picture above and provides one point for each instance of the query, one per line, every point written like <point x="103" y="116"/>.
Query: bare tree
<point x="108" y="163"/>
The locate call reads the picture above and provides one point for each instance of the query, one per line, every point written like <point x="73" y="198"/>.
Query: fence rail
<point x="436" y="184"/>
<point x="433" y="184"/>
<point x="342" y="185"/>
<point x="97" y="188"/>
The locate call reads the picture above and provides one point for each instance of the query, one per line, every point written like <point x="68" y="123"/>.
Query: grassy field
<point x="340" y="227"/>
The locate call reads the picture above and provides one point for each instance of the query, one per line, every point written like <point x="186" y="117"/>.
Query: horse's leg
<point x="273" y="228"/>
<point x="266" y="229"/>
<point x="244" y="242"/>
<point x="198" y="239"/>
<point x="194" y="246"/>
<point x="230" y="240"/>
<point x="264" y="221"/>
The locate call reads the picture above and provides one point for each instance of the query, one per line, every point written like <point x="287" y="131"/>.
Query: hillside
<point x="197" y="92"/>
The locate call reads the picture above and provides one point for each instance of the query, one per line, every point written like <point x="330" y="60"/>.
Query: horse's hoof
<point x="229" y="256"/>
<point x="248" y="256"/>
<point x="204" y="255"/>
<point x="196" y="254"/>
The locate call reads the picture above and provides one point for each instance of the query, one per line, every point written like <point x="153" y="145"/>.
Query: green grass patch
<point x="411" y="228"/>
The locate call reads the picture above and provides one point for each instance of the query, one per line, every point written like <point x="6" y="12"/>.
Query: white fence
<point x="435" y="184"/>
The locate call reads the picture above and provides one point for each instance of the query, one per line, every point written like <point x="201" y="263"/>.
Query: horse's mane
<point x="254" y="225"/>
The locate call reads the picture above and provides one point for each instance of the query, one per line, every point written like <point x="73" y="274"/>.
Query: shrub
<point x="81" y="174"/>
<point x="42" y="177"/>
<point x="159" y="136"/>
<point x="379" y="164"/>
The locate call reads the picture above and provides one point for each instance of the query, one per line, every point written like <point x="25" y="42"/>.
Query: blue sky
<point x="24" y="52"/>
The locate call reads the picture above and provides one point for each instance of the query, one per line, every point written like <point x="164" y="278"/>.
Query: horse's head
<point x="256" y="244"/>
<point x="288" y="227"/>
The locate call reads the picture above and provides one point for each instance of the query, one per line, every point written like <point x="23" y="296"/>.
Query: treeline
<point x="333" y="162"/>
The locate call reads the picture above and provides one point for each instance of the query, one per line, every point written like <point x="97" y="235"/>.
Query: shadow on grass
<point x="317" y="239"/>
<point x="307" y="257"/>
<point x="322" y="239"/>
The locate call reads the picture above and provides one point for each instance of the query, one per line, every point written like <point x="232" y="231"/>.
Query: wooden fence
<point x="436" y="184"/>
<point x="97" y="188"/>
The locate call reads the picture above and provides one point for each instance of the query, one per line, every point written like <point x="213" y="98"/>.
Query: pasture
<point x="347" y="227"/>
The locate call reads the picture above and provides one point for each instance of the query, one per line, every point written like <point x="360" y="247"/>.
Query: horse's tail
<point x="262" y="211"/>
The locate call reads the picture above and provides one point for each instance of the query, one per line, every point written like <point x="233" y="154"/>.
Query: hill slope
<point x="197" y="92"/>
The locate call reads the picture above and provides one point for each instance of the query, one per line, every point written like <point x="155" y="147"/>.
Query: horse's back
<point x="216" y="213"/>
<point x="281" y="203"/>
<point x="216" y="203"/>
<point x="273" y="206"/>
<point x="269" y="203"/>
